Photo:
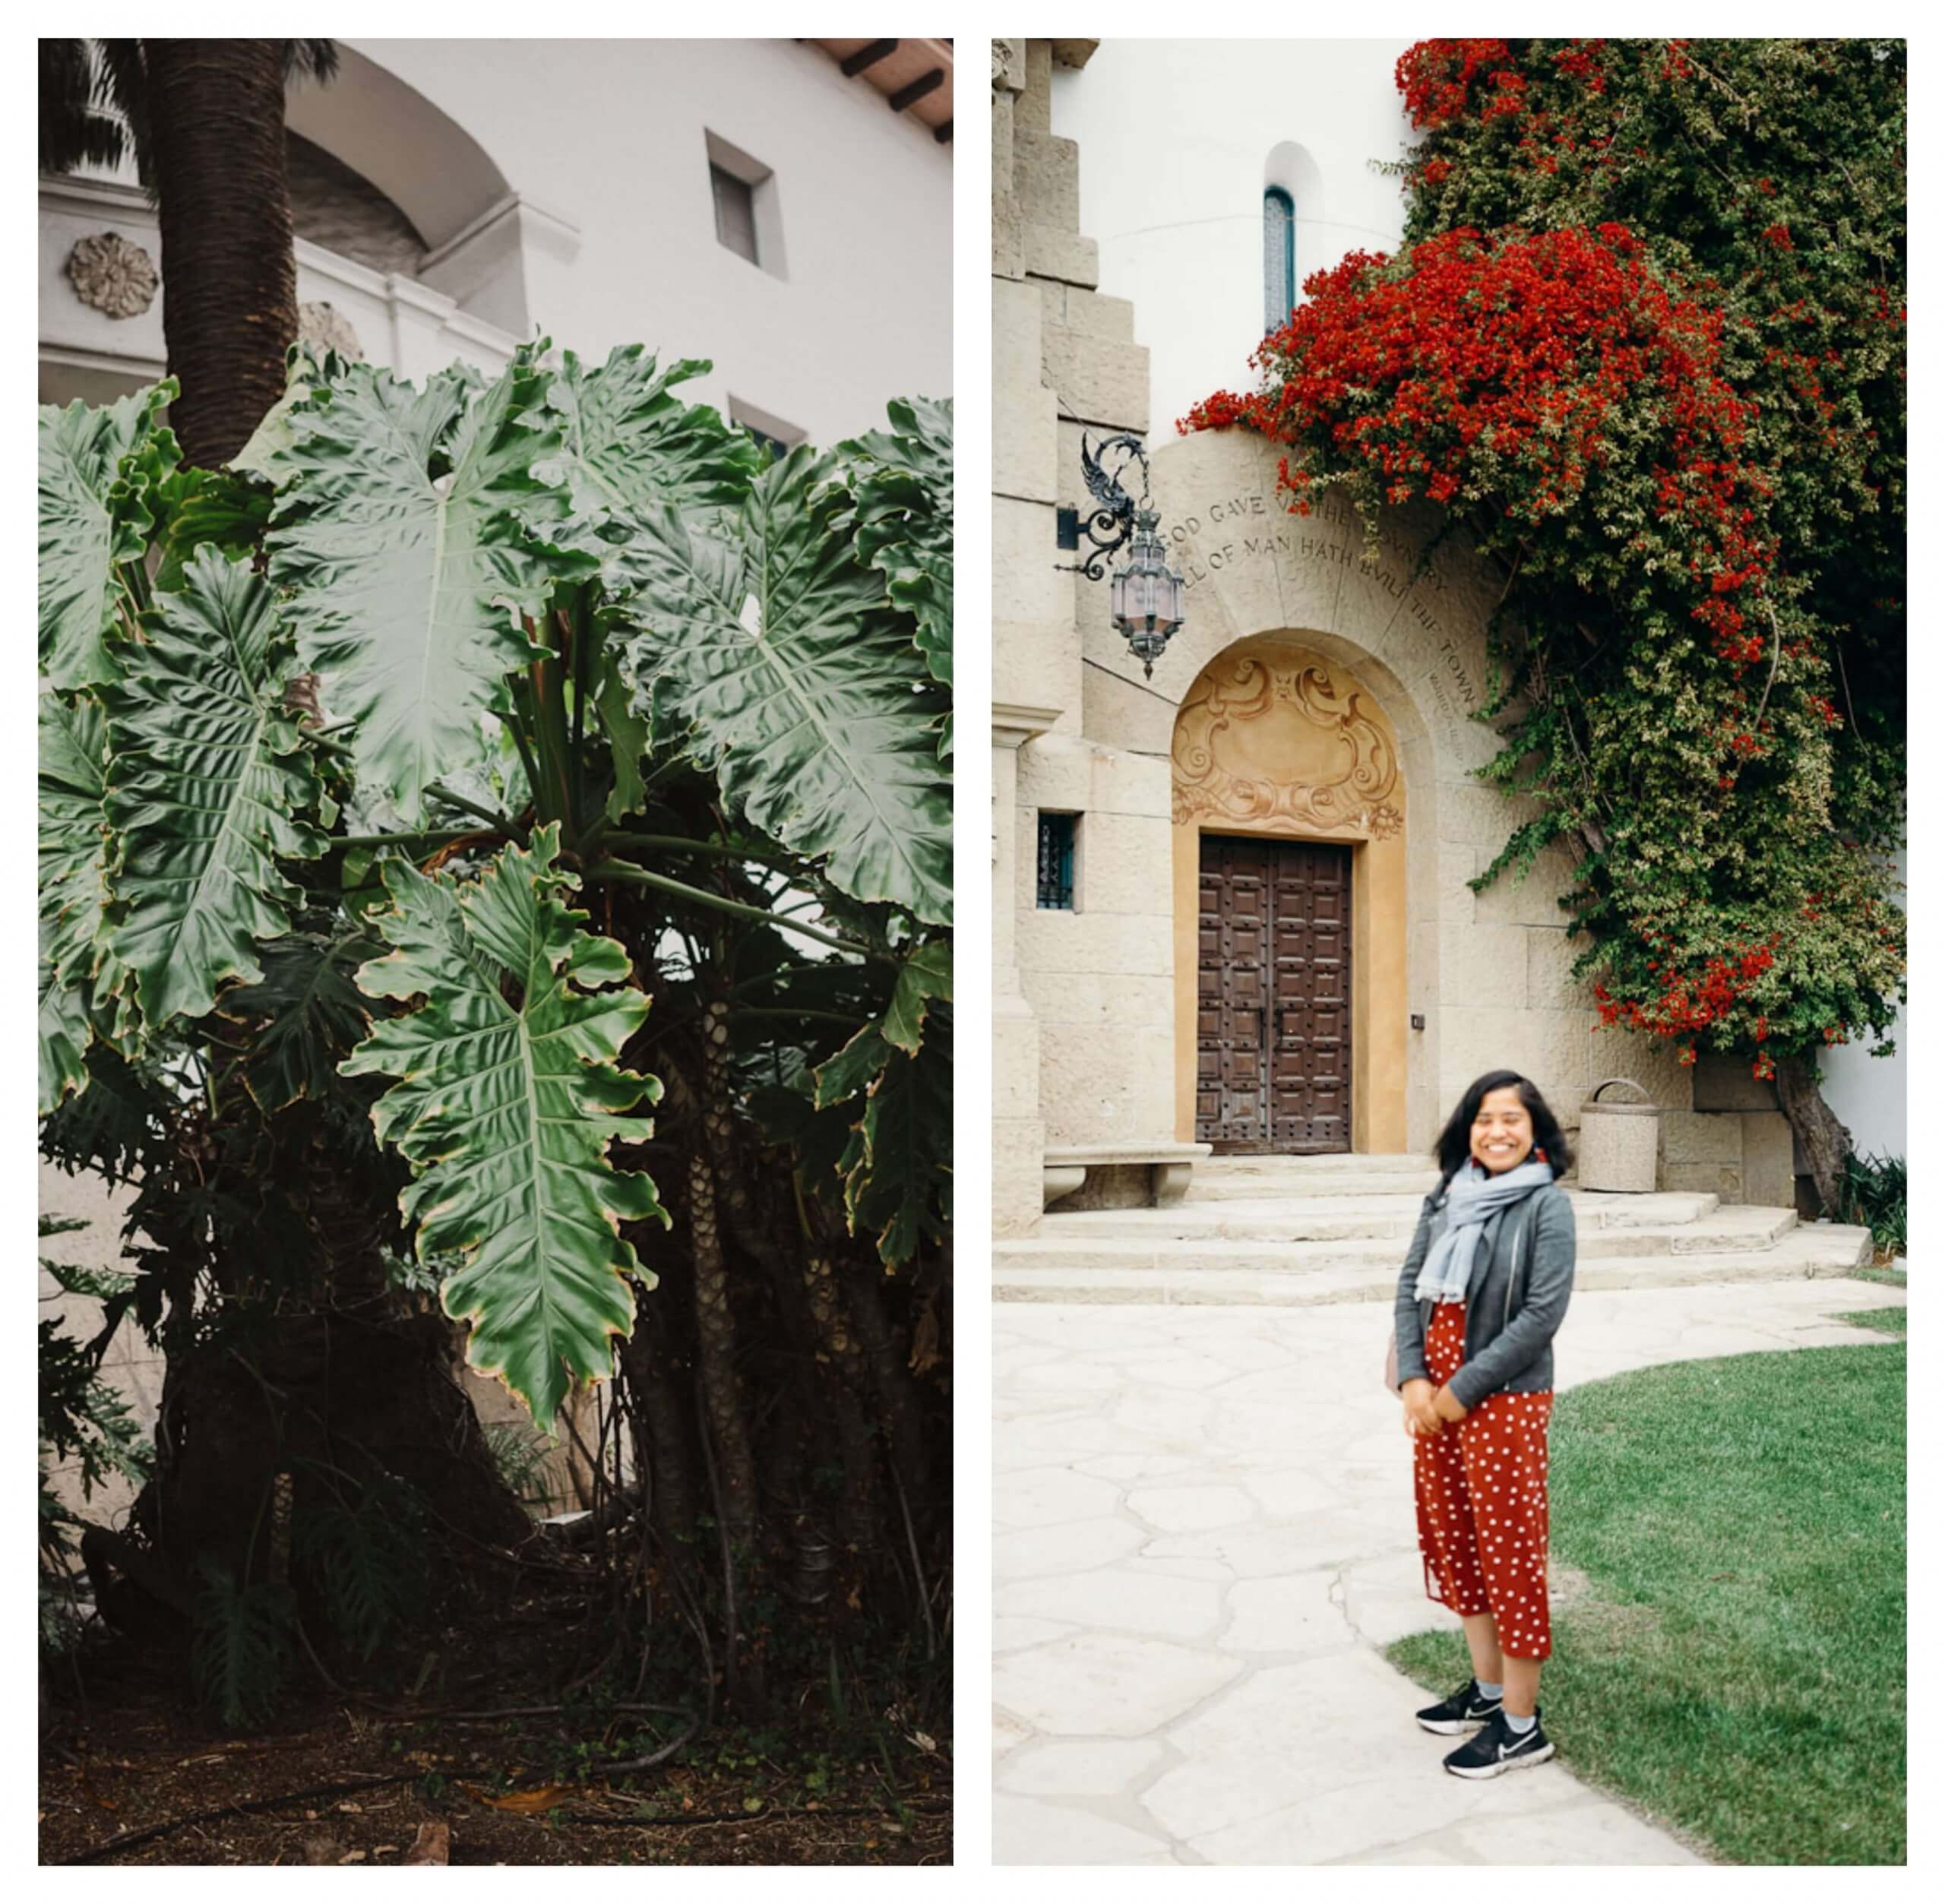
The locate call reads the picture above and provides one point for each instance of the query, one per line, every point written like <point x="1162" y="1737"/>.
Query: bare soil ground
<point x="133" y="1775"/>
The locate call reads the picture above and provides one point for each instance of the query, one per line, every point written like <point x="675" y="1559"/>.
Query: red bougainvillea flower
<point x="1522" y="367"/>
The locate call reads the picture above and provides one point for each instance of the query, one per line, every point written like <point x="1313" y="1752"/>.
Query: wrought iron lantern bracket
<point x="1146" y="599"/>
<point x="1111" y="522"/>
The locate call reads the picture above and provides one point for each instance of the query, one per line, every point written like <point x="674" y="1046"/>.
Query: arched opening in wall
<point x="1290" y="864"/>
<point x="1290" y="174"/>
<point x="404" y="180"/>
<point x="334" y="205"/>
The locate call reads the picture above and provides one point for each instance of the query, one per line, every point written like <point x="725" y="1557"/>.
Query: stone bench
<point x="1067" y="1168"/>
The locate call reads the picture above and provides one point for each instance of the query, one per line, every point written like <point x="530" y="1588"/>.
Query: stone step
<point x="1333" y="1164"/>
<point x="1811" y="1249"/>
<point x="1065" y="1242"/>
<point x="1321" y="1218"/>
<point x="1217" y="1179"/>
<point x="1228" y="1189"/>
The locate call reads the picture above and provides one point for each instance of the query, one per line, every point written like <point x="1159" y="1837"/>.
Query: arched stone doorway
<point x="1451" y="982"/>
<point x="1290" y="817"/>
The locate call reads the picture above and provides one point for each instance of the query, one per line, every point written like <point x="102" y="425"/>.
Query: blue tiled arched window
<point x="1279" y="258"/>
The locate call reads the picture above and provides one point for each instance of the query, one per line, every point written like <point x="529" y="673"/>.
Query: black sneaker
<point x="1500" y="1749"/>
<point x="1467" y="1708"/>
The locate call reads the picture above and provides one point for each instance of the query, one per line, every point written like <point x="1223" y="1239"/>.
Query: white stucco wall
<point x="1178" y="139"/>
<point x="562" y="186"/>
<point x="609" y="137"/>
<point x="1867" y="1092"/>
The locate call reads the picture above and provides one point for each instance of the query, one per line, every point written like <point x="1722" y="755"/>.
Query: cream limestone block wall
<point x="1031" y="673"/>
<point x="1488" y="971"/>
<point x="1019" y="1133"/>
<point x="1100" y="977"/>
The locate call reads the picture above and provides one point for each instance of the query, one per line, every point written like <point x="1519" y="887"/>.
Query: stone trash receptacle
<point x="1620" y="1143"/>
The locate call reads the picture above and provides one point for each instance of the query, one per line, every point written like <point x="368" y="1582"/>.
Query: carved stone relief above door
<point x="1263" y="739"/>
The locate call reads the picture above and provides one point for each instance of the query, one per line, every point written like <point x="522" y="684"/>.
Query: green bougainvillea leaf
<point x="210" y="783"/>
<point x="402" y="536"/>
<point x="800" y="690"/>
<point x="902" y="484"/>
<point x="508" y="1094"/>
<point x="91" y="519"/>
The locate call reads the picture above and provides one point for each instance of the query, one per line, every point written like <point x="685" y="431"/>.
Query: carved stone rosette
<point x="325" y="327"/>
<point x="112" y="275"/>
<point x="1341" y="769"/>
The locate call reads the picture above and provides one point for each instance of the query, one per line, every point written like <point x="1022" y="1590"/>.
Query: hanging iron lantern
<point x="1146" y="599"/>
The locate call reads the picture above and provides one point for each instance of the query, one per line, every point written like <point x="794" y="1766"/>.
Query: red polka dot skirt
<point x="1482" y="1487"/>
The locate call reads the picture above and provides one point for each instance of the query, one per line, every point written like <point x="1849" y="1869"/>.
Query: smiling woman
<point x="1474" y="1366"/>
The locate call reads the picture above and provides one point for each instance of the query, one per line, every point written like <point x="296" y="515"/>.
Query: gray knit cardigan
<point x="1522" y="1279"/>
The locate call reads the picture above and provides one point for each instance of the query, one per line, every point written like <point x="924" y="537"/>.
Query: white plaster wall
<point x="1176" y="136"/>
<point x="613" y="240"/>
<point x="1867" y="1092"/>
<point x="609" y="136"/>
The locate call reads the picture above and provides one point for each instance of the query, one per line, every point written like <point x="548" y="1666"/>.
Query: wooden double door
<point x="1273" y="996"/>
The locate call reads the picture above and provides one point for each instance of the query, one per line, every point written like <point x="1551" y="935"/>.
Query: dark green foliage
<point x="367" y="1546"/>
<point x="541" y="849"/>
<point x="1766" y="178"/>
<point x="245" y="1638"/>
<point x="1874" y="1194"/>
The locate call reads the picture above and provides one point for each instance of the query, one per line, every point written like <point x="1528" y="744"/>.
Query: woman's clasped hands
<point x="1421" y="1416"/>
<point x="1428" y="1410"/>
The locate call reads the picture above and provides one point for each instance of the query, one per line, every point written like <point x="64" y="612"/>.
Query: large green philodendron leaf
<point x="628" y="444"/>
<point x="401" y="536"/>
<point x="801" y="690"/>
<point x="897" y="1167"/>
<point x="903" y="497"/>
<point x="79" y="975"/>
<point x="64" y="1030"/>
<point x="90" y="519"/>
<point x="210" y="783"/>
<point x="508" y="1093"/>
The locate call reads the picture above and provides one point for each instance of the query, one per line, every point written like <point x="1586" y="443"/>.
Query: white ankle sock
<point x="1489" y="1688"/>
<point x="1521" y="1726"/>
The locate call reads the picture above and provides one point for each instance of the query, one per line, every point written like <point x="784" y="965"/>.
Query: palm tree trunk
<point x="229" y="272"/>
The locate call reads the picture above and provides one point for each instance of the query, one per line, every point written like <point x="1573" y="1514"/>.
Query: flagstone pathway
<point x="1204" y="1533"/>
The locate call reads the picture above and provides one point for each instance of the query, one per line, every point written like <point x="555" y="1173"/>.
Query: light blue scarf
<point x="1472" y="1198"/>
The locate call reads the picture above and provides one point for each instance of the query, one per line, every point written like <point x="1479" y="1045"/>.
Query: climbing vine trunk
<point x="229" y="271"/>
<point x="1825" y="1142"/>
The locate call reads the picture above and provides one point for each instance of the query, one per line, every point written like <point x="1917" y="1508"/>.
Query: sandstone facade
<point x="1319" y="692"/>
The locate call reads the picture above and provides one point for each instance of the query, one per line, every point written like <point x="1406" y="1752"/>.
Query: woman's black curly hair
<point x="1455" y="1141"/>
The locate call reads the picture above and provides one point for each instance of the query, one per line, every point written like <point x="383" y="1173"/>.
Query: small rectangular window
<point x="771" y="433"/>
<point x="1056" y="863"/>
<point x="736" y="213"/>
<point x="749" y="214"/>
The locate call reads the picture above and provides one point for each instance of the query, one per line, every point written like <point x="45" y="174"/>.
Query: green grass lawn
<point x="1737" y="1668"/>
<point x="1891" y="1320"/>
<point x="1866" y="1273"/>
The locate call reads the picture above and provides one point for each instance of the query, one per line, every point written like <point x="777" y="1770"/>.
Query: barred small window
<point x="1279" y="258"/>
<point x="1056" y="866"/>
